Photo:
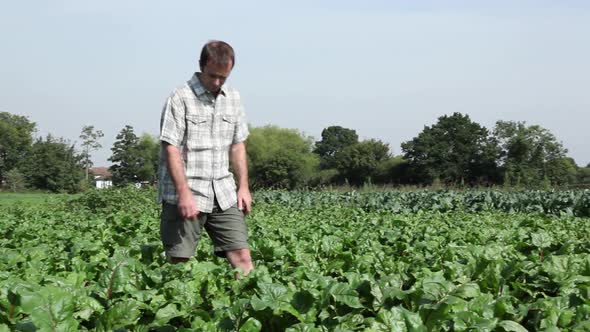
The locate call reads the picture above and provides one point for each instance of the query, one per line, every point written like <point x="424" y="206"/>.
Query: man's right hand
<point x="187" y="206"/>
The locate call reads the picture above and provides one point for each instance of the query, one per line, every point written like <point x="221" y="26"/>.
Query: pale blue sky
<point x="383" y="68"/>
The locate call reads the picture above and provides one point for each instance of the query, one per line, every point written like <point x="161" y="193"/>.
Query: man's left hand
<point x="244" y="200"/>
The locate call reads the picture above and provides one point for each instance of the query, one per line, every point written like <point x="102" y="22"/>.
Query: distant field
<point x="28" y="198"/>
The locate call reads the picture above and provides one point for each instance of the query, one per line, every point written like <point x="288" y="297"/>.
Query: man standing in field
<point x="202" y="130"/>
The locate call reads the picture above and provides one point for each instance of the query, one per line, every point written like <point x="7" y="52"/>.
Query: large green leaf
<point x="435" y="287"/>
<point x="303" y="301"/>
<point x="121" y="315"/>
<point x="166" y="313"/>
<point x="302" y="327"/>
<point x="343" y="293"/>
<point x="389" y="320"/>
<point x="509" y="325"/>
<point x="468" y="290"/>
<point x="541" y="239"/>
<point x="271" y="296"/>
<point x="87" y="307"/>
<point x="51" y="309"/>
<point x="251" y="325"/>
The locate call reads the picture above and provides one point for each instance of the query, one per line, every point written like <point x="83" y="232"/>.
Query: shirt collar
<point x="198" y="88"/>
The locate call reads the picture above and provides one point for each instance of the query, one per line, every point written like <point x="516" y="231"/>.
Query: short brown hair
<point x="217" y="51"/>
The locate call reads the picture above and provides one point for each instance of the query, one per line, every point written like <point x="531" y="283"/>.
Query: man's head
<point x="216" y="62"/>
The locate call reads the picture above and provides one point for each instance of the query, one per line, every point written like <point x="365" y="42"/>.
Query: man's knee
<point x="239" y="256"/>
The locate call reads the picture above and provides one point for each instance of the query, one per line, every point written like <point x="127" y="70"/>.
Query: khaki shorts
<point x="227" y="229"/>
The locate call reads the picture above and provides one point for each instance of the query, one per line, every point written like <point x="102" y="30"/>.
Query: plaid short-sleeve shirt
<point x="203" y="128"/>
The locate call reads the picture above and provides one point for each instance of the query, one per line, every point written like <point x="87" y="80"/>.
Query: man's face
<point x="213" y="75"/>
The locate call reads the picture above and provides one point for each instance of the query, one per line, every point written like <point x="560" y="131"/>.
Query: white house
<point x="102" y="177"/>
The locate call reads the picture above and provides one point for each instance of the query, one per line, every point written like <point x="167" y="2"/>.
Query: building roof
<point x="101" y="172"/>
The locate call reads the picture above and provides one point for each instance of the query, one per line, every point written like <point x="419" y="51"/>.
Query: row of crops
<point x="324" y="262"/>
<point x="570" y="202"/>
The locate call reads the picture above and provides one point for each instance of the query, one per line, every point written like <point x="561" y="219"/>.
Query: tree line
<point x="455" y="151"/>
<point x="54" y="164"/>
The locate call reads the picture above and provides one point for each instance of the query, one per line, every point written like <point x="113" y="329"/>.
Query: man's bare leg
<point x="240" y="258"/>
<point x="176" y="260"/>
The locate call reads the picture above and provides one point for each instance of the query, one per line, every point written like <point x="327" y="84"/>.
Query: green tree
<point x="16" y="137"/>
<point x="531" y="154"/>
<point x="561" y="171"/>
<point x="583" y="176"/>
<point x="127" y="163"/>
<point x="148" y="150"/>
<point x="280" y="158"/>
<point x="359" y="163"/>
<point x="334" y="140"/>
<point x="454" y="150"/>
<point x="90" y="143"/>
<point x="53" y="165"/>
<point x="393" y="170"/>
<point x="15" y="180"/>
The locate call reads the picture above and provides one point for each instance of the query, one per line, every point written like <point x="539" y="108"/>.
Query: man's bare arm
<point x="186" y="204"/>
<point x="240" y="166"/>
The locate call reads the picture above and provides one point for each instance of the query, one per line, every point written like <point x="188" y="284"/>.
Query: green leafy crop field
<point x="9" y="198"/>
<point x="419" y="261"/>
